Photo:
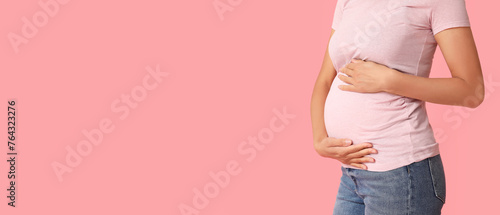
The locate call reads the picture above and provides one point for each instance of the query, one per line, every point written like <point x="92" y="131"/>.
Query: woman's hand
<point x="343" y="151"/>
<point x="365" y="77"/>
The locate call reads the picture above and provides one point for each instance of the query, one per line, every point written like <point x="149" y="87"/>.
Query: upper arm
<point x="451" y="28"/>
<point x="327" y="72"/>
<point x="459" y="51"/>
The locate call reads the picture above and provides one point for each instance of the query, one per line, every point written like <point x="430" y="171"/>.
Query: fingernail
<point x="347" y="141"/>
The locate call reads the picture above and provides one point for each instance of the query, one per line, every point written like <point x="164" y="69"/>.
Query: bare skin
<point x="464" y="88"/>
<point x="332" y="147"/>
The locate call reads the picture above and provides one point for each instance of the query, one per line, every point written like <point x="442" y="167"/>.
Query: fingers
<point x="359" y="162"/>
<point x="346" y="79"/>
<point x="347" y="147"/>
<point x="362" y="160"/>
<point x="351" y="88"/>
<point x="358" y="147"/>
<point x="358" y="155"/>
<point x="354" y="155"/>
<point x="350" y="65"/>
<point x="346" y="70"/>
<point x="362" y="166"/>
<point x="362" y="153"/>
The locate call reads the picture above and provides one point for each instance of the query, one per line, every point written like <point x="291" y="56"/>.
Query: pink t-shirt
<point x="400" y="35"/>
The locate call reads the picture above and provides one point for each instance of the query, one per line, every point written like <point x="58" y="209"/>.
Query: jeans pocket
<point x="438" y="178"/>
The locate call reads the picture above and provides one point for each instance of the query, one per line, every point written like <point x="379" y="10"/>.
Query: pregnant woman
<point x="368" y="104"/>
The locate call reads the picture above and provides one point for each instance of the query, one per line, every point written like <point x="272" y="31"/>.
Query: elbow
<point x="475" y="98"/>
<point x="474" y="102"/>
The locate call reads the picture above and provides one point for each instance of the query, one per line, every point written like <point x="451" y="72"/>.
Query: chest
<point x="385" y="31"/>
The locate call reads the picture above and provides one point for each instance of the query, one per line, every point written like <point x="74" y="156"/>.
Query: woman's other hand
<point x="344" y="151"/>
<point x="365" y="77"/>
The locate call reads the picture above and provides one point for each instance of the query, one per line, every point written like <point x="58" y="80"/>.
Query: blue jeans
<point x="418" y="188"/>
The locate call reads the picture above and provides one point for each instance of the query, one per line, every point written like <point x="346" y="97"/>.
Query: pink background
<point x="225" y="77"/>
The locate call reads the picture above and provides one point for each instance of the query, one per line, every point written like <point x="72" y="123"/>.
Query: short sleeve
<point x="448" y="14"/>
<point x="337" y="16"/>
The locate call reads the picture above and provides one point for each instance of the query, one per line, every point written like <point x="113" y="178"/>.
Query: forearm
<point x="447" y="91"/>
<point x="318" y="99"/>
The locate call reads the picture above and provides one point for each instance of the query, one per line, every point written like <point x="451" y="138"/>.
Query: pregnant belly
<point x="365" y="117"/>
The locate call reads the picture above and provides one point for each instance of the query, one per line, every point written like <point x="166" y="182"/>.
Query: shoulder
<point x="443" y="3"/>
